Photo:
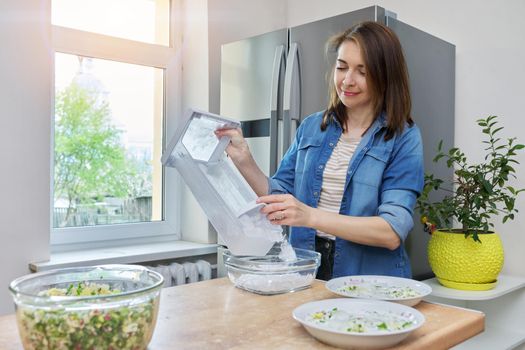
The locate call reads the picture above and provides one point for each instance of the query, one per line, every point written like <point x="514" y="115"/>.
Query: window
<point x="139" y="20"/>
<point x="115" y="97"/>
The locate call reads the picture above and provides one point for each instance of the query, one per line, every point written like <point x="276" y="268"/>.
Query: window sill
<point x="124" y="254"/>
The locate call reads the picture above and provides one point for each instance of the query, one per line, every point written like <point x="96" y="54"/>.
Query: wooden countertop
<point x="215" y="315"/>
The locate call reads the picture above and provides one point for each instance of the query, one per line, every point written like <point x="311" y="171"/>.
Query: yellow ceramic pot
<point x="462" y="263"/>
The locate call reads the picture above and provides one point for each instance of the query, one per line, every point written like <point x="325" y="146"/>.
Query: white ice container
<point x="222" y="192"/>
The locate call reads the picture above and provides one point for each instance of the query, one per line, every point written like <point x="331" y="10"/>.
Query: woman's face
<point x="350" y="77"/>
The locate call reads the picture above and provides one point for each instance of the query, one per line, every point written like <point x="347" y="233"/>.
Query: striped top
<point x="334" y="177"/>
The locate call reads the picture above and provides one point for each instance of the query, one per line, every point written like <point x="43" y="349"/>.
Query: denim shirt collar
<point x="377" y="125"/>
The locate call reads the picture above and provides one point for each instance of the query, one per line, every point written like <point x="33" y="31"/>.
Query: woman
<point x="349" y="182"/>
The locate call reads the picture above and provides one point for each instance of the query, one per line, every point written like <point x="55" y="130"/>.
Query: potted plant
<point x="470" y="257"/>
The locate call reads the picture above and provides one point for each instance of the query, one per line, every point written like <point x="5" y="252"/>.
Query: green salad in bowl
<point x="99" y="307"/>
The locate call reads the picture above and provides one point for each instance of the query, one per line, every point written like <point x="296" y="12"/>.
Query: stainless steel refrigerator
<point x="271" y="81"/>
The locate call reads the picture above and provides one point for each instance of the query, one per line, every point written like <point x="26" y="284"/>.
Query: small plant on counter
<point x="480" y="192"/>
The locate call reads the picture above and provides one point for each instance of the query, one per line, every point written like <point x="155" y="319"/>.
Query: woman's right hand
<point x="238" y="149"/>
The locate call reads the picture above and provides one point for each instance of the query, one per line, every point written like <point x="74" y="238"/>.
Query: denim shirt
<point x="383" y="179"/>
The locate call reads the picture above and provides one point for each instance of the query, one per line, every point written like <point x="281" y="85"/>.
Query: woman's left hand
<point x="285" y="209"/>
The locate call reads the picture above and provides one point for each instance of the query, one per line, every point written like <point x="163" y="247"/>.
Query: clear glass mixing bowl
<point x="123" y="319"/>
<point x="270" y="274"/>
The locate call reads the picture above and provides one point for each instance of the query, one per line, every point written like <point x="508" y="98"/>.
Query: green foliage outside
<point x="90" y="161"/>
<point x="481" y="191"/>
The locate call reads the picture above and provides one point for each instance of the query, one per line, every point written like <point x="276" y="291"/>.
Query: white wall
<point x="490" y="74"/>
<point x="25" y="129"/>
<point x="195" y="94"/>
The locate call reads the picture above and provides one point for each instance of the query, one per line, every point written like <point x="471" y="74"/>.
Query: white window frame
<point x="78" y="42"/>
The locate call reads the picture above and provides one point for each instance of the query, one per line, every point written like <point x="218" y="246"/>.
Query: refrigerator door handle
<point x="275" y="110"/>
<point x="292" y="95"/>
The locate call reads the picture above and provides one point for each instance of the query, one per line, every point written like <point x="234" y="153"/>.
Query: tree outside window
<point x="96" y="180"/>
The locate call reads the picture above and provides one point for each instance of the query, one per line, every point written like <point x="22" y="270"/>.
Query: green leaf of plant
<point x="479" y="189"/>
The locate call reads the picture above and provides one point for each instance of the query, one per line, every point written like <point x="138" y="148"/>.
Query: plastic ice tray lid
<point x="198" y="137"/>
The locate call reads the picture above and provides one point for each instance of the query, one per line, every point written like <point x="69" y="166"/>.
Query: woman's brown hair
<point x="386" y="77"/>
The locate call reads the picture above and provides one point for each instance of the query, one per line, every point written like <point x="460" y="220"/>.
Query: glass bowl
<point x="270" y="274"/>
<point x="96" y="307"/>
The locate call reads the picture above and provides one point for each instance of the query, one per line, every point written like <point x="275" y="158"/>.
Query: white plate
<point x="370" y="339"/>
<point x="400" y="290"/>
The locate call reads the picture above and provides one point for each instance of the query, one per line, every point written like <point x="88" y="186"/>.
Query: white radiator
<point x="176" y="274"/>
